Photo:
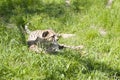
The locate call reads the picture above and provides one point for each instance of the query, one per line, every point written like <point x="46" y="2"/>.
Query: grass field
<point x="96" y="27"/>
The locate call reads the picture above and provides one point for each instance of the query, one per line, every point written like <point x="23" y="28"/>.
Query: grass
<point x="96" y="27"/>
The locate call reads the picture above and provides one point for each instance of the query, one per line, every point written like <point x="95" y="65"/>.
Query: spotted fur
<point x="42" y="40"/>
<point x="46" y="41"/>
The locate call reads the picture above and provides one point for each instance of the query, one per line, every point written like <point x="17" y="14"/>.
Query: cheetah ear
<point x="45" y="33"/>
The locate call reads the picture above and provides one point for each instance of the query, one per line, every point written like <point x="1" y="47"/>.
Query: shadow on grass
<point x="91" y="65"/>
<point x="19" y="11"/>
<point x="11" y="8"/>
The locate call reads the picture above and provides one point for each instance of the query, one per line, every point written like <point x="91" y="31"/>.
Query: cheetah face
<point x="52" y="39"/>
<point x="50" y="36"/>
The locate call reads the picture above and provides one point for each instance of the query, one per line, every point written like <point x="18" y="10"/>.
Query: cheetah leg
<point x="65" y="35"/>
<point x="61" y="46"/>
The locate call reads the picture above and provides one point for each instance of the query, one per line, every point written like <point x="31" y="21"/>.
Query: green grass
<point x="96" y="27"/>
